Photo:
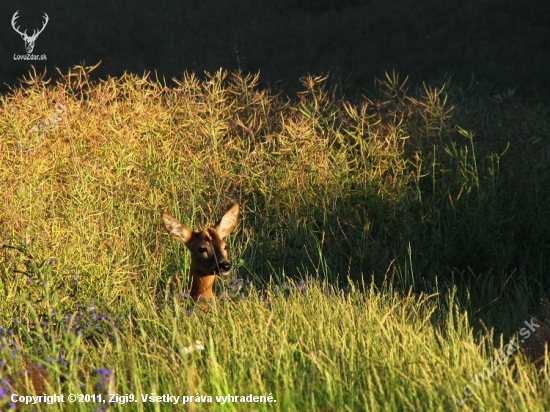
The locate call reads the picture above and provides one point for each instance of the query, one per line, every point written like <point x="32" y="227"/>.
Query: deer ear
<point x="228" y="222"/>
<point x="176" y="229"/>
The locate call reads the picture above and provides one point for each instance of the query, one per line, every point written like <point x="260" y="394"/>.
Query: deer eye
<point x="225" y="247"/>
<point x="202" y="250"/>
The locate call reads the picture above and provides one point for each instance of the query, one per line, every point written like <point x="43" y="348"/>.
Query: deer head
<point x="29" y="40"/>
<point x="208" y="250"/>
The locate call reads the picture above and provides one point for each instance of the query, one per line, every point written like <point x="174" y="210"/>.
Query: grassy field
<point x="391" y="254"/>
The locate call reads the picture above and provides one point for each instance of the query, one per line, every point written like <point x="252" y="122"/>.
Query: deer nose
<point x="225" y="266"/>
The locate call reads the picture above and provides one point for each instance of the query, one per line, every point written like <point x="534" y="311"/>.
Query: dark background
<point x="502" y="43"/>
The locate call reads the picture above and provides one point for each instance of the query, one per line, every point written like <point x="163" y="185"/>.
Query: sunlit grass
<point x="441" y="208"/>
<point x="308" y="345"/>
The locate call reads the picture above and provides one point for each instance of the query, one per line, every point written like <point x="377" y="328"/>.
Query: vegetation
<point x="389" y="247"/>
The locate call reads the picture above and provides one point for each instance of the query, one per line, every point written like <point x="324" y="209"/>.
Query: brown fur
<point x="208" y="250"/>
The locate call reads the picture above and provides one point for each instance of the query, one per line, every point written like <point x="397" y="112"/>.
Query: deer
<point x="29" y="40"/>
<point x="208" y="251"/>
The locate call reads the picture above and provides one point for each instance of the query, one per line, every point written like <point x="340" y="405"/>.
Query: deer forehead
<point x="207" y="236"/>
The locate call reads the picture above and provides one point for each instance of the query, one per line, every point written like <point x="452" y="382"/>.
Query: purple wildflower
<point x="61" y="359"/>
<point x="104" y="377"/>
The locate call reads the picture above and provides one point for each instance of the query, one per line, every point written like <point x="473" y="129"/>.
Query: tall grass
<point x="419" y="191"/>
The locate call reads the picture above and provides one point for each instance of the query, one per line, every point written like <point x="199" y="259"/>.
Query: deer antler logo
<point x="29" y="40"/>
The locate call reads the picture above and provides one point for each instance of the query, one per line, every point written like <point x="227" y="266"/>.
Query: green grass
<point x="395" y="244"/>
